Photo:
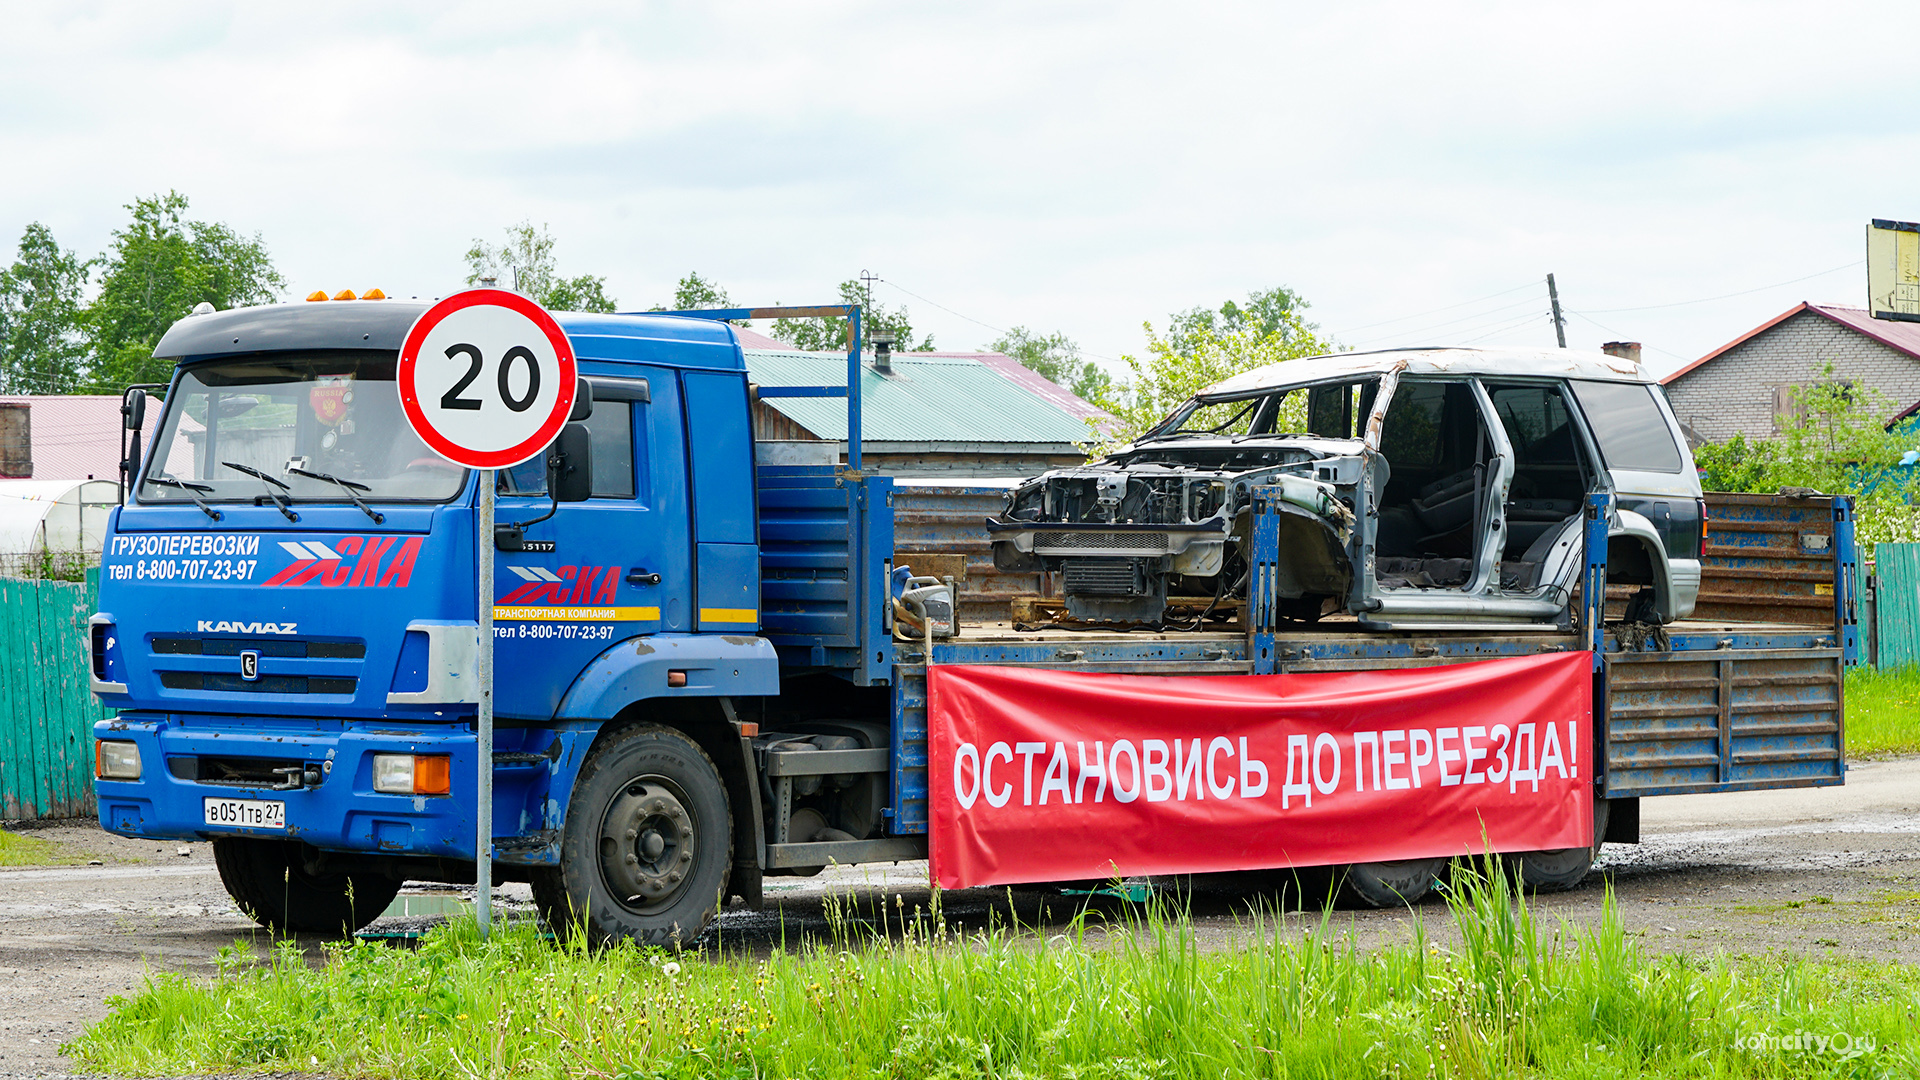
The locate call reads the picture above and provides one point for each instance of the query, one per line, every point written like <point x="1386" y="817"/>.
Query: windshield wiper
<point x="280" y="501"/>
<point x="347" y="486"/>
<point x="193" y="492"/>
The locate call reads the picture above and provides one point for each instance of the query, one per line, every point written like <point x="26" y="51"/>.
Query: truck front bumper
<point x="188" y="760"/>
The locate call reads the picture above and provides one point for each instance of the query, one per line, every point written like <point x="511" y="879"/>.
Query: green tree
<point x="1057" y="357"/>
<point x="526" y="265"/>
<point x="160" y="267"/>
<point x="1834" y="443"/>
<point x="43" y="345"/>
<point x="695" y="293"/>
<point x="830" y="334"/>
<point x="1174" y="371"/>
<point x="1267" y="311"/>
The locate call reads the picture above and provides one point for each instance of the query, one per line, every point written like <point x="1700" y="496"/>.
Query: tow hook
<point x="295" y="777"/>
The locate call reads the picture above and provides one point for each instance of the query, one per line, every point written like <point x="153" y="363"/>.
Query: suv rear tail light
<point x="412" y="774"/>
<point x="1702" y="553"/>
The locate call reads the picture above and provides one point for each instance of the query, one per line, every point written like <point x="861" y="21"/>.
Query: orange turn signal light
<point x="317" y="294"/>
<point x="344" y="294"/>
<point x="373" y="294"/>
<point x="432" y="774"/>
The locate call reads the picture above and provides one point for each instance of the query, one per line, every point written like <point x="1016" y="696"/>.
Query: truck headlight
<point x="412" y="774"/>
<point x="116" y="760"/>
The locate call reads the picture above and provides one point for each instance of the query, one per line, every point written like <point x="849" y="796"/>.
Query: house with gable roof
<point x="930" y="414"/>
<point x="1745" y="387"/>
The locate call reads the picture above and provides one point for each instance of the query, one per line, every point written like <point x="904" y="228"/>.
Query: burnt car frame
<point x="1424" y="489"/>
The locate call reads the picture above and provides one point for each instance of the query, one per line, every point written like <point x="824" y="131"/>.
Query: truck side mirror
<point x="133" y="413"/>
<point x="570" y="465"/>
<point x="582" y="400"/>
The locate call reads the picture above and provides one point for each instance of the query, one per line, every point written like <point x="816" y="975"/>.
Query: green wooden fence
<point x="1897" y="603"/>
<point x="46" y="712"/>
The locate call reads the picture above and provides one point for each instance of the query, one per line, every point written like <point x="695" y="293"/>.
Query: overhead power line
<point x="996" y="329"/>
<point x="1510" y="326"/>
<point x="1731" y="295"/>
<point x="1478" y="320"/>
<point x="1434" y="311"/>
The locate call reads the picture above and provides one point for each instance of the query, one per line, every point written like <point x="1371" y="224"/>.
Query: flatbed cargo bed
<point x="1729" y="705"/>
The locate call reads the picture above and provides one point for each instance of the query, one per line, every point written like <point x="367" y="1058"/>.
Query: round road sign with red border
<point x="486" y="378"/>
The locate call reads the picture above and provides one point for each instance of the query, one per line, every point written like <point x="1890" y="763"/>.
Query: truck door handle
<point x="639" y="576"/>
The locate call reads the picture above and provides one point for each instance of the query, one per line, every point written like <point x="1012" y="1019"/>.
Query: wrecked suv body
<point x="1418" y="489"/>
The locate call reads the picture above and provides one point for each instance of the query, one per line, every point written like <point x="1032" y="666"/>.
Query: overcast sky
<point x="1413" y="170"/>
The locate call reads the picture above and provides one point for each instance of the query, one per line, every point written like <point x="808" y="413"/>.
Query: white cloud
<point x="1080" y="166"/>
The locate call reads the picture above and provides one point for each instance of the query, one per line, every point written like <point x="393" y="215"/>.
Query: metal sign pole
<point x="483" y="813"/>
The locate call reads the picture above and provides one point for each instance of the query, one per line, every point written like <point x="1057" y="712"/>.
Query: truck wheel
<point x="1553" y="871"/>
<point x="648" y="843"/>
<point x="270" y="883"/>
<point x="1391" y="884"/>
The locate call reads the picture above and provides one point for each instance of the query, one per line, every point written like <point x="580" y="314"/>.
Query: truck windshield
<point x="327" y="413"/>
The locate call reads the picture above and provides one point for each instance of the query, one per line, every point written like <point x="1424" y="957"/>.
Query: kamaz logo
<point x="207" y="627"/>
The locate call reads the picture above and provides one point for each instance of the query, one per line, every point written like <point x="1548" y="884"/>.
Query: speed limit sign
<point x="486" y="378"/>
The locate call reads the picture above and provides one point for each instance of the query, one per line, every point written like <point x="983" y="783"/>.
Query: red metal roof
<point x="76" y="436"/>
<point x="1901" y="336"/>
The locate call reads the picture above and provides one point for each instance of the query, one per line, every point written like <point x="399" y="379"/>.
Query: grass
<point x="1098" y="1002"/>
<point x="19" y="850"/>
<point x="1883" y="711"/>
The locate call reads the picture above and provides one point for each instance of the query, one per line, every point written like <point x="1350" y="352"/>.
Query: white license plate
<point x="246" y="813"/>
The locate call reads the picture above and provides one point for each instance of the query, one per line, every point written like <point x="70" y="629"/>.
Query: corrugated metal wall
<point x="1725" y="720"/>
<point x="951" y="519"/>
<point x="1769" y="559"/>
<point x="46" y="711"/>
<point x="1897" y="603"/>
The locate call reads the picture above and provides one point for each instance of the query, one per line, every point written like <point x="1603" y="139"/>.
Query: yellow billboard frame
<point x="1893" y="270"/>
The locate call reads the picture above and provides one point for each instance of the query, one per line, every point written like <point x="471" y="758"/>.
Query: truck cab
<point x="287" y="622"/>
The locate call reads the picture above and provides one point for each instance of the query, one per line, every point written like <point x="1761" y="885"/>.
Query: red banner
<point x="1040" y="775"/>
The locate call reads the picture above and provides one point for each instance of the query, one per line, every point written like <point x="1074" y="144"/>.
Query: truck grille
<point x="183" y="645"/>
<point x="265" y="684"/>
<point x="1056" y="543"/>
<point x="1105" y="577"/>
<point x="230" y="771"/>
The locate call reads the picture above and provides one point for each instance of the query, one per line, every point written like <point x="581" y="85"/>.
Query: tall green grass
<point x="1883" y="711"/>
<point x="1137" y="997"/>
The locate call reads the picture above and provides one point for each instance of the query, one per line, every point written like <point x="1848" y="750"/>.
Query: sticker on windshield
<point x="330" y="396"/>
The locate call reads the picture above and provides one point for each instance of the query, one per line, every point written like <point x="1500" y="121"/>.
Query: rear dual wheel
<point x="1552" y="871"/>
<point x="648" y="843"/>
<point x="1395" y="884"/>
<point x="1391" y="884"/>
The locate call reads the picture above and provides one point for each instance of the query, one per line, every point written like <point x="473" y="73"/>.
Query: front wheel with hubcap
<point x="648" y="843"/>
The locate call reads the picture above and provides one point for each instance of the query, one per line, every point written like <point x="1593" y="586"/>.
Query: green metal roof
<point x="944" y="399"/>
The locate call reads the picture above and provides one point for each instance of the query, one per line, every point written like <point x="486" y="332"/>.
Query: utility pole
<point x="1559" y="320"/>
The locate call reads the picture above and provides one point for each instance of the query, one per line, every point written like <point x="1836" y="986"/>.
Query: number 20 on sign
<point x="486" y="378"/>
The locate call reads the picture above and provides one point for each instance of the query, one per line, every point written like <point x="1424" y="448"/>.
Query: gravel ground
<point x="1829" y="872"/>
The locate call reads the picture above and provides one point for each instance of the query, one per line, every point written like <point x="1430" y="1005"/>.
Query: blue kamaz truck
<point x="705" y="670"/>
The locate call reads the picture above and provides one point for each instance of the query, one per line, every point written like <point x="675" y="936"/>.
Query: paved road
<point x="1813" y="872"/>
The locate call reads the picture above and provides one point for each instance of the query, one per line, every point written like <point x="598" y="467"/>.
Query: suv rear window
<point x="1630" y="425"/>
